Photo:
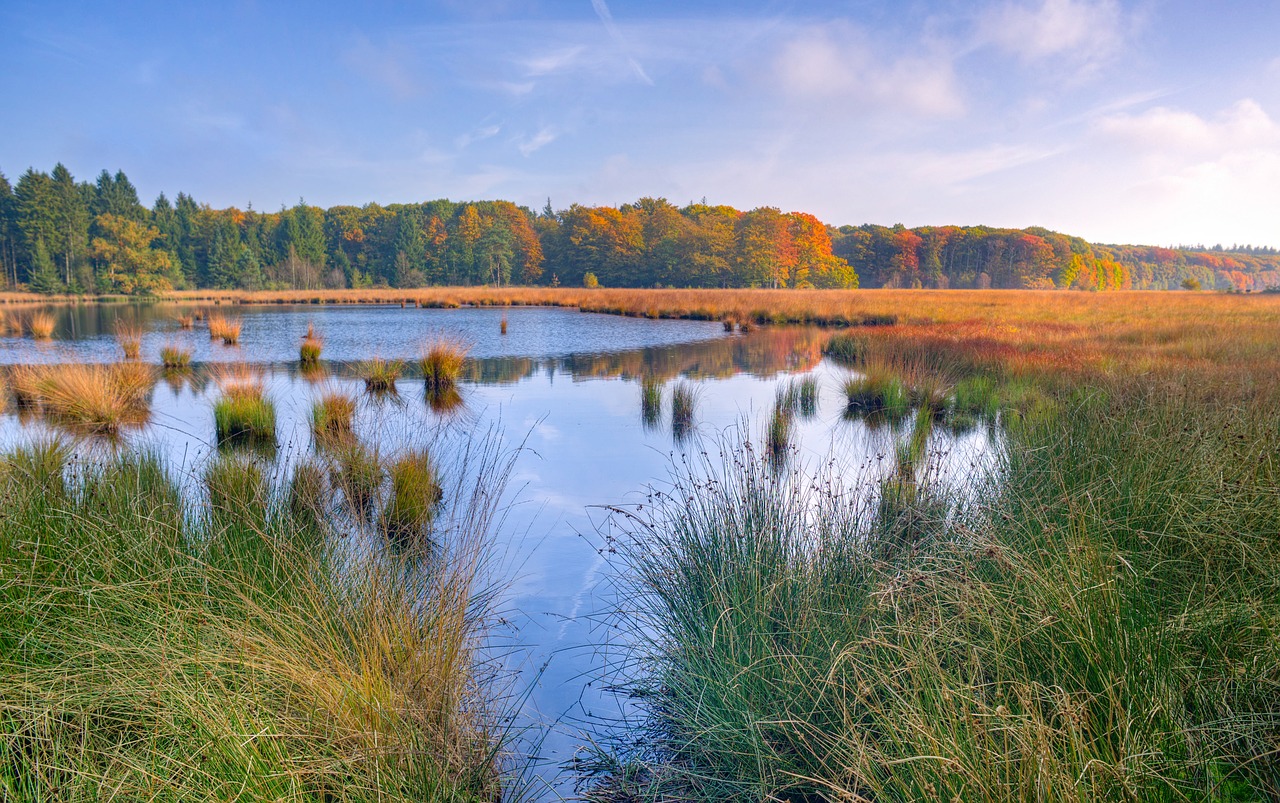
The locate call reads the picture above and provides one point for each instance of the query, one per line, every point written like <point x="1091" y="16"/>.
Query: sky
<point x="1121" y="121"/>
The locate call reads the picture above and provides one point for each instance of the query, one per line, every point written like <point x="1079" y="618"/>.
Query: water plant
<point x="308" y="496"/>
<point x="309" y="351"/>
<point x="357" y="471"/>
<point x="174" y="357"/>
<point x="878" y="389"/>
<point x="224" y="329"/>
<point x="977" y="396"/>
<point x="97" y="399"/>
<point x="847" y="348"/>
<point x="333" y="415"/>
<point x="441" y="363"/>
<point x="415" y="495"/>
<point x="781" y="419"/>
<point x="236" y="485"/>
<point x="502" y="325"/>
<point x="186" y="321"/>
<point x="379" y="375"/>
<point x="41" y="325"/>
<point x="129" y="336"/>
<point x="650" y="400"/>
<point x="807" y="396"/>
<point x="243" y="412"/>
<point x="682" y="409"/>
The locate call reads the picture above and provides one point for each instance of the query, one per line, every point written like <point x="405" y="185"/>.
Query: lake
<point x="562" y="387"/>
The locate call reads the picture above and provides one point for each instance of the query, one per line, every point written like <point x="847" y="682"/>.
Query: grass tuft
<point x="243" y="413"/>
<point x="174" y="357"/>
<point x="309" y="351"/>
<point x="441" y="364"/>
<point x="129" y="336"/>
<point x="683" y="399"/>
<point x="379" y="375"/>
<point x="333" y="416"/>
<point x="224" y="329"/>
<point x="650" y="401"/>
<point x="415" y="495"/>
<point x="41" y="325"/>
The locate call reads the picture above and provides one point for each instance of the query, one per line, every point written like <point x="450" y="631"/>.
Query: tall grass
<point x="878" y="389"/>
<point x="781" y="421"/>
<point x="415" y="495"/>
<point x="156" y="649"/>
<point x="1095" y="620"/>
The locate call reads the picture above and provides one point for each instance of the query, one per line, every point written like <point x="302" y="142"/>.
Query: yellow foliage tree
<point x="130" y="265"/>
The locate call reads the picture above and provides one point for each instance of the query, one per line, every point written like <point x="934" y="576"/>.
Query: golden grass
<point x="441" y="363"/>
<point x="379" y="375"/>
<point x="224" y="329"/>
<point x="186" y="321"/>
<point x="98" y="399"/>
<point x="309" y="352"/>
<point x="129" y="336"/>
<point x="173" y="356"/>
<point x="41" y="324"/>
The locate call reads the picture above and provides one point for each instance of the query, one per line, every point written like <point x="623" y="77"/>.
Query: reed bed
<point x="224" y="329"/>
<point x="129" y="336"/>
<point x="41" y="325"/>
<point x="174" y="636"/>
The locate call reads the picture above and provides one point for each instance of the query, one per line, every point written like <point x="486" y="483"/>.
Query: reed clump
<point x="41" y="325"/>
<point x="309" y="351"/>
<point x="379" y="375"/>
<point x="441" y="364"/>
<point x="243" y="412"/>
<point x="650" y="400"/>
<point x="186" y="321"/>
<point x="97" y="399"/>
<point x="878" y="389"/>
<point x="174" y="357"/>
<point x="357" y="471"/>
<point x="129" y="336"/>
<point x="683" y="401"/>
<point x="224" y="329"/>
<point x="333" y="416"/>
<point x="415" y="495"/>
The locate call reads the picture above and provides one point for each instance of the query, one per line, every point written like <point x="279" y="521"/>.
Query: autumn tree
<point x="129" y="264"/>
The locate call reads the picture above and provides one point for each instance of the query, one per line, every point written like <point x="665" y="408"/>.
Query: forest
<point x="60" y="235"/>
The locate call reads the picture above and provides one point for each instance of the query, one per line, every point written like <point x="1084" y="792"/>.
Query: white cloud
<point x="1083" y="33"/>
<point x="478" y="135"/>
<point x="545" y="136"/>
<point x="556" y="61"/>
<point x="1165" y="132"/>
<point x="838" y="63"/>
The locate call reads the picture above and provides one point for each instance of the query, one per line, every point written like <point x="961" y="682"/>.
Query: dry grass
<point x="129" y="336"/>
<point x="441" y="363"/>
<point x="97" y="399"/>
<point x="175" y="357"/>
<point x="41" y="324"/>
<point x="309" y="352"/>
<point x="224" y="329"/>
<point x="379" y="375"/>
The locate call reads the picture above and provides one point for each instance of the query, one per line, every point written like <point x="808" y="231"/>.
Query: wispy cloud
<point x="1084" y="34"/>
<point x="602" y="11"/>
<point x="545" y="136"/>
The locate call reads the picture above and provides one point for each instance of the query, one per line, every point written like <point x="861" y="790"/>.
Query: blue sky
<point x="1150" y="121"/>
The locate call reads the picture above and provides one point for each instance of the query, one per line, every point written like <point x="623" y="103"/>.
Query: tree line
<point x="59" y="235"/>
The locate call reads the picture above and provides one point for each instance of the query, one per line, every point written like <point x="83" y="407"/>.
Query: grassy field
<point x="1096" y="619"/>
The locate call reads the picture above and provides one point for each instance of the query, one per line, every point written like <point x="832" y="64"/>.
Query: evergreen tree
<point x="44" y="276"/>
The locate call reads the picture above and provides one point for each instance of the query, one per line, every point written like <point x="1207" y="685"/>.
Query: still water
<point x="561" y="387"/>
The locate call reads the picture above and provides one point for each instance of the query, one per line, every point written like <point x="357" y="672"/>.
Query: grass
<point x="781" y="421"/>
<point x="502" y="325"/>
<point x="95" y="399"/>
<point x="174" y="357"/>
<point x="186" y="321"/>
<point x="243" y="413"/>
<point x="441" y="364"/>
<point x="309" y="351"/>
<point x="878" y="389"/>
<point x="129" y="336"/>
<point x="847" y="348"/>
<point x="333" y="416"/>
<point x="415" y="495"/>
<point x="357" y="471"/>
<point x="41" y="325"/>
<point x="224" y="329"/>
<point x="650" y="401"/>
<point x="379" y="375"/>
<point x="807" y="396"/>
<point x="683" y="400"/>
<point x="158" y="649"/>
